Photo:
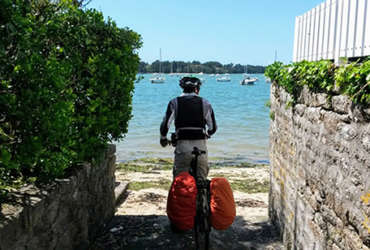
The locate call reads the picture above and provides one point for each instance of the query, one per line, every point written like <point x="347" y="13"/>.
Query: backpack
<point x="222" y="204"/>
<point x="181" y="201"/>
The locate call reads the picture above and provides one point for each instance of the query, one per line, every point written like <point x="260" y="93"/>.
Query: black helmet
<point x="190" y="82"/>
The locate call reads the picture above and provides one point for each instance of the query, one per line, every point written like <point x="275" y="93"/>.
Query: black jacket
<point x="192" y="115"/>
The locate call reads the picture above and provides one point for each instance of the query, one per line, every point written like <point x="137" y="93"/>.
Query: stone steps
<point x="120" y="192"/>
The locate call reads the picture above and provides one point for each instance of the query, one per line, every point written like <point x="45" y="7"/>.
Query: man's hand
<point x="163" y="142"/>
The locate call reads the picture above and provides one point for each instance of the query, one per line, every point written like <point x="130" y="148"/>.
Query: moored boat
<point x="223" y="78"/>
<point x="247" y="80"/>
<point x="157" y="79"/>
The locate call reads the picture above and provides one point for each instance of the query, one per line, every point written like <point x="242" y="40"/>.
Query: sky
<point x="237" y="31"/>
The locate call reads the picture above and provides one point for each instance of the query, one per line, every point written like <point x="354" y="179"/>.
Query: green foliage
<point x="289" y="104"/>
<point x="323" y="76"/>
<point x="268" y="103"/>
<point x="66" y="84"/>
<point x="139" y="185"/>
<point x="354" y="80"/>
<point x="145" y="165"/>
<point x="272" y="71"/>
<point x="272" y="115"/>
<point x="250" y="186"/>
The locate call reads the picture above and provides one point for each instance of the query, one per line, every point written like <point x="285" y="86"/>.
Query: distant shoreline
<point x="197" y="67"/>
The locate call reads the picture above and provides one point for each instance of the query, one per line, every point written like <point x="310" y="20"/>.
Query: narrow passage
<point x="141" y="222"/>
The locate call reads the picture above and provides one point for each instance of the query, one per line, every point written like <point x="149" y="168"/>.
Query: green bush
<point x="324" y="77"/>
<point x="354" y="80"/>
<point x="66" y="84"/>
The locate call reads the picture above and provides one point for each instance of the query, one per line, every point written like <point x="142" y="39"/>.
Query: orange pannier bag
<point x="181" y="201"/>
<point x="222" y="204"/>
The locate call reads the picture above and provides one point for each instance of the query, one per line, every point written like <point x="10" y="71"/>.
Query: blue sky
<point x="238" y="31"/>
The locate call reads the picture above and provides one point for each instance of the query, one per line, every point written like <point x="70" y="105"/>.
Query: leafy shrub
<point x="323" y="76"/>
<point x="66" y="84"/>
<point x="354" y="80"/>
<point x="272" y="71"/>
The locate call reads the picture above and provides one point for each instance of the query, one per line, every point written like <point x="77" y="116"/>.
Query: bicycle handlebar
<point x="173" y="142"/>
<point x="169" y="142"/>
<point x="196" y="151"/>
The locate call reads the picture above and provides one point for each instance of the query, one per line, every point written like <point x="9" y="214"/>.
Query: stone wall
<point x="320" y="171"/>
<point x="66" y="214"/>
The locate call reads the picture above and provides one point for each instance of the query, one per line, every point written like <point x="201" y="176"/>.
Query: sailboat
<point x="223" y="78"/>
<point x="247" y="80"/>
<point x="158" y="78"/>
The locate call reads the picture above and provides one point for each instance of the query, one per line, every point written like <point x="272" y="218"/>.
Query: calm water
<point x="241" y="115"/>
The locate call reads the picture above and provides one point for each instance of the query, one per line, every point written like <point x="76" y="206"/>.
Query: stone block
<point x="305" y="96"/>
<point x="313" y="99"/>
<point x="313" y="114"/>
<point x="366" y="114"/>
<point x="351" y="239"/>
<point x="341" y="104"/>
<point x="300" y="109"/>
<point x="357" y="114"/>
<point x="334" y="247"/>
<point x="335" y="235"/>
<point x="365" y="138"/>
<point x="347" y="132"/>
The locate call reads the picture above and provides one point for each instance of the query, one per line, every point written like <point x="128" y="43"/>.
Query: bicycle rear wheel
<point x="201" y="238"/>
<point x="202" y="225"/>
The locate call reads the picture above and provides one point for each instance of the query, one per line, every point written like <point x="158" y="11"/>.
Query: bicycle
<point x="202" y="224"/>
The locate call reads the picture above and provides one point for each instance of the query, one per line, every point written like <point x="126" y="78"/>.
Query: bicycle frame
<point x="201" y="221"/>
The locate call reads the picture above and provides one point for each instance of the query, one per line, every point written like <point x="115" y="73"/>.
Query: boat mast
<point x="275" y="55"/>
<point x="160" y="60"/>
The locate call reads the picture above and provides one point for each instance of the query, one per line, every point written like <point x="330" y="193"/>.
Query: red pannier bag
<point x="222" y="204"/>
<point x="181" y="201"/>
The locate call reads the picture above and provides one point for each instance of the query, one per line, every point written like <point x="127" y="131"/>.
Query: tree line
<point x="197" y="67"/>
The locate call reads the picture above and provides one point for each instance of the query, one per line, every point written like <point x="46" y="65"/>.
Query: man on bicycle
<point x="192" y="114"/>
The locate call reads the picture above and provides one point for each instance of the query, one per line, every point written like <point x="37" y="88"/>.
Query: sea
<point x="241" y="112"/>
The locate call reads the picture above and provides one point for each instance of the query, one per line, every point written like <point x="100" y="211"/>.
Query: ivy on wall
<point x="323" y="76"/>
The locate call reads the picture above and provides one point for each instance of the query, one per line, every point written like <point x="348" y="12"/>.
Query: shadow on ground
<point x="153" y="232"/>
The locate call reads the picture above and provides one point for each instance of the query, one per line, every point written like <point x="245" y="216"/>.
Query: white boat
<point x="247" y="80"/>
<point x="223" y="78"/>
<point x="158" y="78"/>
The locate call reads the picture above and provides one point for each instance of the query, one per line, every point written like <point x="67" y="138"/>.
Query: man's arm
<point x="209" y="117"/>
<point x="167" y="120"/>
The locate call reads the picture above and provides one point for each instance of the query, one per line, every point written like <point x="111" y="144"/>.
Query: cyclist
<point x="194" y="123"/>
